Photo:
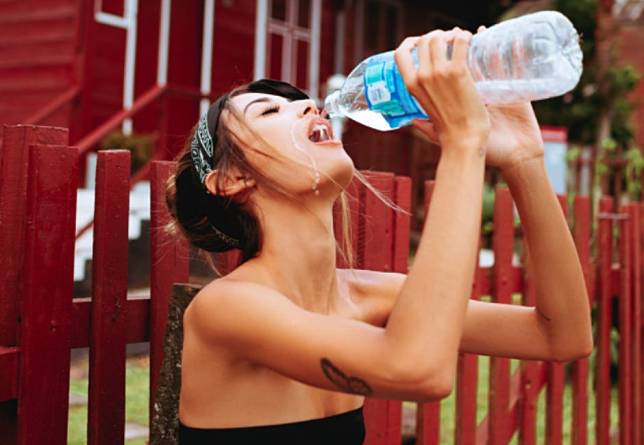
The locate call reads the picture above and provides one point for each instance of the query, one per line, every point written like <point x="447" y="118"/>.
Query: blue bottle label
<point x="386" y="93"/>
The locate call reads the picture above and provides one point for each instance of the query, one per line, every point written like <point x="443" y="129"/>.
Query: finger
<point x="438" y="49"/>
<point x="518" y="53"/>
<point x="403" y="59"/>
<point x="425" y="70"/>
<point x="450" y="43"/>
<point x="425" y="43"/>
<point x="424" y="59"/>
<point x="461" y="45"/>
<point x="408" y="71"/>
<point x="481" y="28"/>
<point x="494" y="65"/>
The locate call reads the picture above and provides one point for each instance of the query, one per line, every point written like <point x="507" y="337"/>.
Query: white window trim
<point x="206" y="53"/>
<point x="261" y="34"/>
<point x="164" y="43"/>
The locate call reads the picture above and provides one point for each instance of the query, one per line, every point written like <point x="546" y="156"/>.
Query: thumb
<point x="428" y="128"/>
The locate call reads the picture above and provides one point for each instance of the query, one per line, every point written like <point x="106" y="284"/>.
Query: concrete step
<point x="138" y="233"/>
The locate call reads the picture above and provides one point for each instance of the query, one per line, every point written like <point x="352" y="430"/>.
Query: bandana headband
<point x="201" y="151"/>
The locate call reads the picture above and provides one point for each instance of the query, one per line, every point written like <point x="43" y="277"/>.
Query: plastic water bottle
<point x="532" y="57"/>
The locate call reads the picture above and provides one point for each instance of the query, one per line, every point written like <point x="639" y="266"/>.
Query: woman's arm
<point x="561" y="296"/>
<point x="559" y="327"/>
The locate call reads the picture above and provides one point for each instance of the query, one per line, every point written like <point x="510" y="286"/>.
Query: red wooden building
<point x="87" y="64"/>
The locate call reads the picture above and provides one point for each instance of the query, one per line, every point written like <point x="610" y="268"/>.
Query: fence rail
<point x="40" y="321"/>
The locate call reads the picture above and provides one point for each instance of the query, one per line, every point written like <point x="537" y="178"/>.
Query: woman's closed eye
<point x="269" y="110"/>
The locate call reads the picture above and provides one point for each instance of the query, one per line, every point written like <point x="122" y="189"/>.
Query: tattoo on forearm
<point x="342" y="381"/>
<point x="542" y="314"/>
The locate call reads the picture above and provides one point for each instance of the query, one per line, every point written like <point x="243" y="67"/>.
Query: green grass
<point x="136" y="402"/>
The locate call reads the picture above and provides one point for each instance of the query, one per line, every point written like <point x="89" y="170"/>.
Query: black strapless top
<point x="340" y="429"/>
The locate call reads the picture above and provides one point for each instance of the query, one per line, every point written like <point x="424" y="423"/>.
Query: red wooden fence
<point x="40" y="321"/>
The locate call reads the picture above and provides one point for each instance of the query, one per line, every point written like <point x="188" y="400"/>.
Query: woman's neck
<point x="299" y="252"/>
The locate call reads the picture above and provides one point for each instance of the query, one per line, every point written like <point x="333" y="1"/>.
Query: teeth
<point x="319" y="133"/>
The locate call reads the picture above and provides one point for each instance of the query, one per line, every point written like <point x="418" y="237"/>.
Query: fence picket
<point x="402" y="224"/>
<point x="382" y="417"/>
<point x="624" y="301"/>
<point x="106" y="398"/>
<point x="13" y="190"/>
<point x="636" y="331"/>
<point x="13" y="180"/>
<point x="169" y="264"/>
<point x="581" y="234"/>
<point x="45" y="309"/>
<point x="499" y="389"/>
<point x="602" y="373"/>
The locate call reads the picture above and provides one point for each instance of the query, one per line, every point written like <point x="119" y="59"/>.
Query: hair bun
<point x="210" y="222"/>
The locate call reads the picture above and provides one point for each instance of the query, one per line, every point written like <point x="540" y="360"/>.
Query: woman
<point x="285" y="348"/>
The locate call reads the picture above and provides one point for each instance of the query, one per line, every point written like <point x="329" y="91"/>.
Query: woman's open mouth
<point x="320" y="131"/>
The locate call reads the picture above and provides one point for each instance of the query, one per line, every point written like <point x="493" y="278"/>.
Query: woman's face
<point x="298" y="137"/>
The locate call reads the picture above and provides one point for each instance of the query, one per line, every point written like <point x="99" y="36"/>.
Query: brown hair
<point x="195" y="211"/>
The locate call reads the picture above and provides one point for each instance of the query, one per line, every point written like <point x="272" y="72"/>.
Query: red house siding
<point x="147" y="55"/>
<point x="104" y="49"/>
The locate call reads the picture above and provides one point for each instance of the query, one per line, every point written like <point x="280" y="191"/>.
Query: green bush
<point x="141" y="146"/>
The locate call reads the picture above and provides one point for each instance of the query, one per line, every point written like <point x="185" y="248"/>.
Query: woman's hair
<point x="211" y="222"/>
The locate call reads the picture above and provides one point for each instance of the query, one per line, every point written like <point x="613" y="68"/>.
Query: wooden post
<point x="582" y="229"/>
<point x="169" y="264"/>
<point x="503" y="240"/>
<point x="45" y="310"/>
<point x="625" y="337"/>
<point x="106" y="407"/>
<point x="13" y="192"/>
<point x="382" y="417"/>
<point x="602" y="373"/>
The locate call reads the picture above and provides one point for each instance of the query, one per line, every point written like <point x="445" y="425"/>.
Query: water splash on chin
<point x="314" y="166"/>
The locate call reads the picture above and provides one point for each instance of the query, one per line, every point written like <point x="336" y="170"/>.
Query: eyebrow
<point x="261" y="99"/>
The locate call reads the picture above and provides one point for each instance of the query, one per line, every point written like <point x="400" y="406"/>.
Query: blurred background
<point x="136" y="74"/>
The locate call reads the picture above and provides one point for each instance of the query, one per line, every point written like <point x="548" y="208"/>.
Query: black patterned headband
<point x="201" y="151"/>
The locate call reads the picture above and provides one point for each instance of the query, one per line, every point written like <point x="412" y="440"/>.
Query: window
<point x="289" y="41"/>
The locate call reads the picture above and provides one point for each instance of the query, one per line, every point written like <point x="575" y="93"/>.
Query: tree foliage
<point x="579" y="109"/>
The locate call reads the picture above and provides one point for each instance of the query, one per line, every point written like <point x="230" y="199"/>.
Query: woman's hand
<point x="445" y="89"/>
<point x="514" y="134"/>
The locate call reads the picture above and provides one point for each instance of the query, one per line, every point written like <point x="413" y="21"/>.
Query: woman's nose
<point x="307" y="107"/>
